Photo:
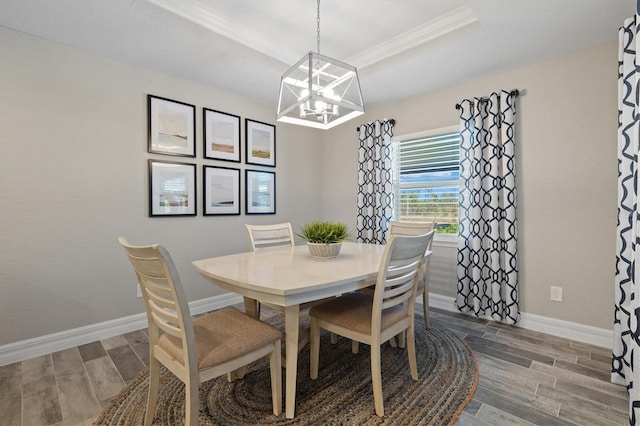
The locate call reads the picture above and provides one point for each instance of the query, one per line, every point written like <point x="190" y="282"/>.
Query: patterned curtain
<point x="625" y="364"/>
<point x="487" y="250"/>
<point x="375" y="181"/>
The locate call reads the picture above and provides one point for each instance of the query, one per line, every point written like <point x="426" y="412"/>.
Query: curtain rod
<point x="392" y="121"/>
<point x="515" y="92"/>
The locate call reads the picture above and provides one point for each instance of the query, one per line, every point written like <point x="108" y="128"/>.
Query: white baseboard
<point x="556" y="327"/>
<point x="25" y="349"/>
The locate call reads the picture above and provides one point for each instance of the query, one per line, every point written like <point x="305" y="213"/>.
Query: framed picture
<point x="172" y="188"/>
<point x="260" y="192"/>
<point x="171" y="127"/>
<point x="260" y="143"/>
<point x="221" y="135"/>
<point x="221" y="191"/>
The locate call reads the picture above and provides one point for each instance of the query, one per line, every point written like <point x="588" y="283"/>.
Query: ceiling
<point x="401" y="48"/>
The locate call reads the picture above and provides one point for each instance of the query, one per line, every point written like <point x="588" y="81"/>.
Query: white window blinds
<point x="429" y="172"/>
<point x="439" y="153"/>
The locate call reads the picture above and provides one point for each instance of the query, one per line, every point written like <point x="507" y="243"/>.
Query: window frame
<point x="445" y="239"/>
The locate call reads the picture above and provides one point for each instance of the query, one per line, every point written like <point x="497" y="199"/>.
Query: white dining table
<point x="289" y="276"/>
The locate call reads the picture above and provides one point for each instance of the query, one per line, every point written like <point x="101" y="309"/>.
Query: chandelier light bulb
<point x="328" y="92"/>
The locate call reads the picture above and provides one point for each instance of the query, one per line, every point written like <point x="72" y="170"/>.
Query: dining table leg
<point x="251" y="307"/>
<point x="292" y="330"/>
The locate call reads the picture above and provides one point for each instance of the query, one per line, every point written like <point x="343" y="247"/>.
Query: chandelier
<point x="319" y="91"/>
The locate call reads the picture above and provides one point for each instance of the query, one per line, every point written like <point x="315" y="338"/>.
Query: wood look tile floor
<point x="526" y="378"/>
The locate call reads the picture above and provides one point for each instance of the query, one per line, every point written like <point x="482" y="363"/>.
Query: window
<point x="428" y="168"/>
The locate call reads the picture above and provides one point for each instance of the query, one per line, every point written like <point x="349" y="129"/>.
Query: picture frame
<point x="171" y="127"/>
<point x="221" y="132"/>
<point x="221" y="191"/>
<point x="260" y="146"/>
<point x="260" y="192"/>
<point x="172" y="188"/>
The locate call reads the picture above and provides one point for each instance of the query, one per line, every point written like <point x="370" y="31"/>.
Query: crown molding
<point x="429" y="31"/>
<point x="198" y="12"/>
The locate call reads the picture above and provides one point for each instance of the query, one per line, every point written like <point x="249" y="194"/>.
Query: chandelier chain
<point x="318" y="26"/>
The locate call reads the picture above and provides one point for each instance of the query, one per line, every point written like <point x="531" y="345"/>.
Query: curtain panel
<point x="375" y="181"/>
<point x="487" y="250"/>
<point x="625" y="365"/>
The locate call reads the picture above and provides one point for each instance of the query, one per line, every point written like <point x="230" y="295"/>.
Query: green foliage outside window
<point x="440" y="208"/>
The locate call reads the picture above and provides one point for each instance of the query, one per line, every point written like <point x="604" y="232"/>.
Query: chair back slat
<point x="166" y="323"/>
<point x="401" y="299"/>
<point x="400" y="279"/>
<point x="160" y="300"/>
<point x="166" y="319"/>
<point x="164" y="299"/>
<point x="411" y="228"/>
<point x="261" y="236"/>
<point x="397" y="288"/>
<point x="160" y="293"/>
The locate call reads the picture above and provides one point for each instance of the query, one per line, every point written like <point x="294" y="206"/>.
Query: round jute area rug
<point x="342" y="394"/>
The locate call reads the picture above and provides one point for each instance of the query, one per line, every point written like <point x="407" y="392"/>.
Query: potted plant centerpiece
<point x="324" y="239"/>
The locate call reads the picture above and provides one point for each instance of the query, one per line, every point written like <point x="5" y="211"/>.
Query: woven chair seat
<point x="222" y="336"/>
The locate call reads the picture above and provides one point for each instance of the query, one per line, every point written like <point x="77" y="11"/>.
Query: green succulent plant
<point x="324" y="232"/>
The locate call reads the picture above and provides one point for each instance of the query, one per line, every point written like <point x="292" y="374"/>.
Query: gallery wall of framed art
<point x="172" y="185"/>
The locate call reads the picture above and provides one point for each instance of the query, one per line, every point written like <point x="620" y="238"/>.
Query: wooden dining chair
<point x="279" y="234"/>
<point x="263" y="236"/>
<point x="412" y="228"/>
<point x="375" y="319"/>
<point x="417" y="228"/>
<point x="196" y="349"/>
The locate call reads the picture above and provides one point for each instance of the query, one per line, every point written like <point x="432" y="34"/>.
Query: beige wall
<point x="566" y="175"/>
<point x="73" y="177"/>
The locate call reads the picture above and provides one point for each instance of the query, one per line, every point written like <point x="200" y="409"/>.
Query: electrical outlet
<point x="138" y="291"/>
<point x="556" y="294"/>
